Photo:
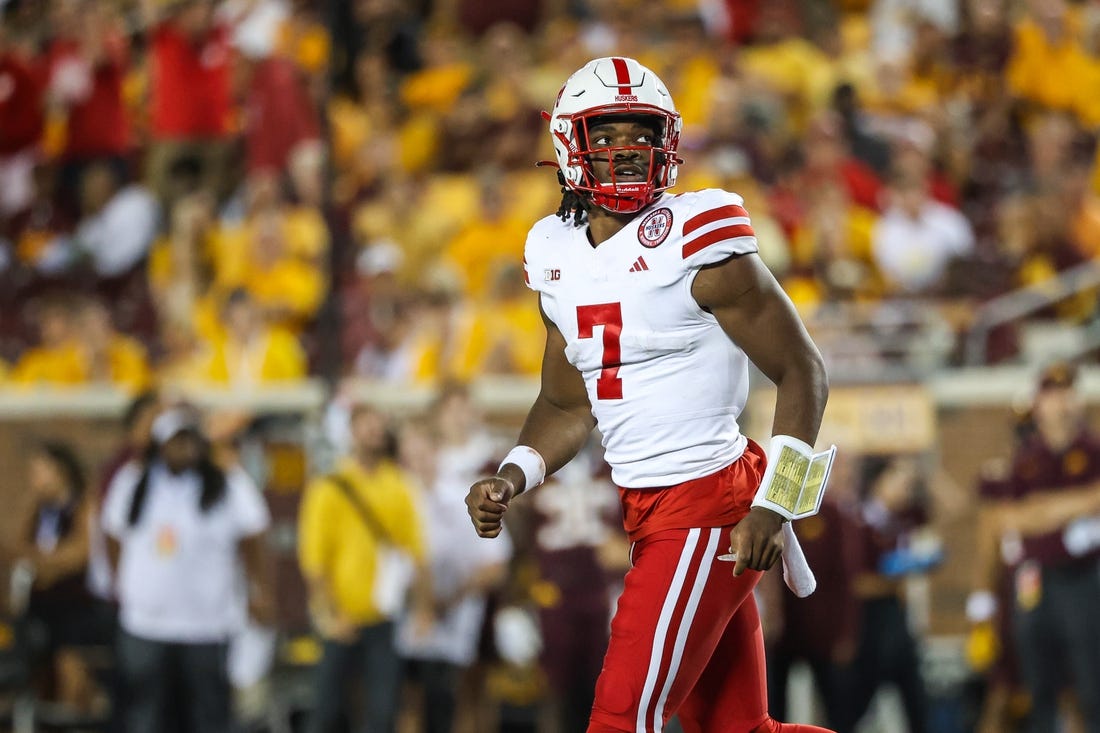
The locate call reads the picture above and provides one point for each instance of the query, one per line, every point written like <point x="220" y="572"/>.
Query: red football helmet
<point x="612" y="87"/>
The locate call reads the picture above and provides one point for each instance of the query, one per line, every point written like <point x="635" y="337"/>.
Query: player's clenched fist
<point x="757" y="540"/>
<point x="486" y="502"/>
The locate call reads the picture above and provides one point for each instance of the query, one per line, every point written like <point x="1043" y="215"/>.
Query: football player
<point x="654" y="304"/>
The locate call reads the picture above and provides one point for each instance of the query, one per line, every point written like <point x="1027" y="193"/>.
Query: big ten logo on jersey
<point x="655" y="227"/>
<point x="552" y="275"/>
<point x="580" y="511"/>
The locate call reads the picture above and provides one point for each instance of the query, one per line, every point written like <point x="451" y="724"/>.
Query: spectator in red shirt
<point x="21" y="119"/>
<point x="191" y="110"/>
<point x="190" y="82"/>
<point x="823" y="157"/>
<point x="87" y="64"/>
<point x="829" y="157"/>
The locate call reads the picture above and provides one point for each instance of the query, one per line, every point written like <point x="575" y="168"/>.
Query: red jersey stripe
<point x="722" y="212"/>
<point x="718" y="235"/>
<point x="622" y="75"/>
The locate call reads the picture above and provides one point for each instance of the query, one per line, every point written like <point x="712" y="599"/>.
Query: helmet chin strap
<point x="624" y="197"/>
<point x="608" y="200"/>
<point x="619" y="204"/>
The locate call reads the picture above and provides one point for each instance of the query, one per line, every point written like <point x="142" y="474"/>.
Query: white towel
<point x="796" y="571"/>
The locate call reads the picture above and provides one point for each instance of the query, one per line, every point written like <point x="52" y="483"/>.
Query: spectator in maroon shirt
<point x="280" y="114"/>
<point x="821" y="629"/>
<point x="1055" y="485"/>
<point x="990" y="647"/>
<point x="578" y="576"/>
<point x="892" y="512"/>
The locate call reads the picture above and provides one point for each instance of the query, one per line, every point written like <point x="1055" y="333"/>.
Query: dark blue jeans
<point x="371" y="661"/>
<point x="173" y="687"/>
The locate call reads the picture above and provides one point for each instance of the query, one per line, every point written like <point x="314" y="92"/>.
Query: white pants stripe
<point x="663" y="622"/>
<point x="705" y="565"/>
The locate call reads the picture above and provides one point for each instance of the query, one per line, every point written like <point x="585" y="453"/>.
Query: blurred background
<point x="282" y="212"/>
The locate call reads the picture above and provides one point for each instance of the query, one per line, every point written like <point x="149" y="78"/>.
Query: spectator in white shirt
<point x="465" y="568"/>
<point x="181" y="530"/>
<point x="917" y="237"/>
<point x="119" y="223"/>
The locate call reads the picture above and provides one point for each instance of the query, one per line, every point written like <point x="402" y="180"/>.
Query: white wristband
<point x="783" y="487"/>
<point x="529" y="461"/>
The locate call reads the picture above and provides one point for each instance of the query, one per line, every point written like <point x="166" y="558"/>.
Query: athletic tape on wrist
<point x="529" y="461"/>
<point x="779" y="491"/>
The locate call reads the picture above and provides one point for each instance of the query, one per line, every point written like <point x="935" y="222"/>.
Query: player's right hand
<point x="757" y="540"/>
<point x="486" y="503"/>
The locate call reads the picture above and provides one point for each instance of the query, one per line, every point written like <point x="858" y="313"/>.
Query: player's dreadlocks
<point x="572" y="203"/>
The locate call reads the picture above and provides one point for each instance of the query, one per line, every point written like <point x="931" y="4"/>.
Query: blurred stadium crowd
<point x="231" y="193"/>
<point x="252" y="192"/>
<point x="386" y="609"/>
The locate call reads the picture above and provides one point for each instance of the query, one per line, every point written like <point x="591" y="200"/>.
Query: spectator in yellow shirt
<point x="289" y="288"/>
<point x="80" y="345"/>
<point x="360" y="541"/>
<point x="251" y="352"/>
<point x="57" y="359"/>
<point x="486" y="243"/>
<point x="306" y="231"/>
<point x="446" y="74"/>
<point x="304" y="38"/>
<point x="1049" y="65"/>
<point x="1083" y="206"/>
<point x="179" y="269"/>
<point x="832" y="250"/>
<point x="500" y="335"/>
<point x="109" y="356"/>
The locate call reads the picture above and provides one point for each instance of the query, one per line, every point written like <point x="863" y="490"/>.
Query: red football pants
<point x="685" y="639"/>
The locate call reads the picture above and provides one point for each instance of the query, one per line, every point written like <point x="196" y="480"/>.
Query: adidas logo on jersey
<point x="639" y="265"/>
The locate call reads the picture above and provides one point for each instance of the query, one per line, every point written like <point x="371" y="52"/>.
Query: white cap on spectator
<point x="172" y="422"/>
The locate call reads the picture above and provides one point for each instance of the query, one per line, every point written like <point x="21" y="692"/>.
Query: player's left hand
<point x="757" y="540"/>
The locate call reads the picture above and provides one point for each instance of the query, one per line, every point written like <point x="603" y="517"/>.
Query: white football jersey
<point x="666" y="384"/>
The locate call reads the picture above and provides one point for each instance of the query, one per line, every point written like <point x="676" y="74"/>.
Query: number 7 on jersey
<point x="610" y="316"/>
